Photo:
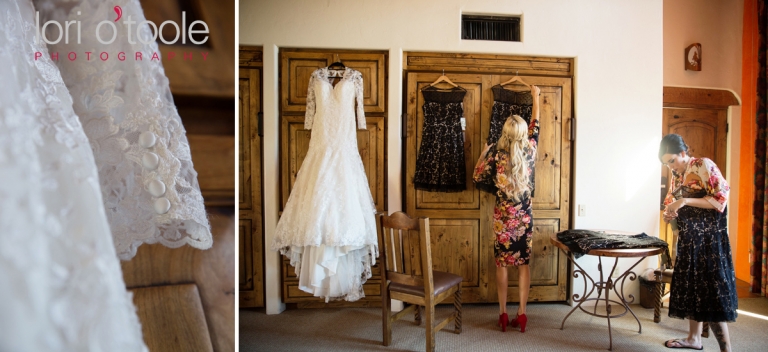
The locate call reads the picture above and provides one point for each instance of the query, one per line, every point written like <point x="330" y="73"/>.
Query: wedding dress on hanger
<point x="76" y="170"/>
<point x="328" y="227"/>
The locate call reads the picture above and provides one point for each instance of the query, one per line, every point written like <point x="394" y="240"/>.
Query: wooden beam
<point x="678" y="97"/>
<point x="488" y="63"/>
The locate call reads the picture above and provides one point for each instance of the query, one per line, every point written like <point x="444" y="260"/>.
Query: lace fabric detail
<point x="61" y="283"/>
<point x="138" y="141"/>
<point x="440" y="163"/>
<point x="347" y="74"/>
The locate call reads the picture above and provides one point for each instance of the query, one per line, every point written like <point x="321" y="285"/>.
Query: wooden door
<point x="704" y="130"/>
<point x="251" y="235"/>
<point x="460" y="223"/>
<point x="296" y="66"/>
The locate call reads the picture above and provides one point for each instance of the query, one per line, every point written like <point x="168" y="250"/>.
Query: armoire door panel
<point x="454" y="248"/>
<point x="300" y="64"/>
<point x="302" y="70"/>
<point x="370" y="144"/>
<point x="245" y="201"/>
<point x="250" y="228"/>
<point x="544" y="268"/>
<point x="548" y="157"/>
<point x="246" y="260"/>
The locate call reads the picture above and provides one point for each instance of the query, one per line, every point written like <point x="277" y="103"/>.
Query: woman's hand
<point x="671" y="211"/>
<point x="486" y="149"/>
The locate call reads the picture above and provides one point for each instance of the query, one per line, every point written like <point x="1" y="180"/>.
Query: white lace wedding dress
<point x="88" y="151"/>
<point x="328" y="227"/>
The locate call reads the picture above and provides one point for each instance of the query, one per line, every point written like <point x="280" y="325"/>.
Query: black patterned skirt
<point x="440" y="165"/>
<point x="703" y="282"/>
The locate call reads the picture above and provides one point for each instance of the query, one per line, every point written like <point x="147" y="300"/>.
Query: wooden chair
<point x="407" y="276"/>
<point x="663" y="275"/>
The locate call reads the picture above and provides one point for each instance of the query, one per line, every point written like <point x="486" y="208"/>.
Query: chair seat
<point x="443" y="282"/>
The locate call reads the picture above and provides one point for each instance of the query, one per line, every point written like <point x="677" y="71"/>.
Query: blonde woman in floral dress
<point x="510" y="167"/>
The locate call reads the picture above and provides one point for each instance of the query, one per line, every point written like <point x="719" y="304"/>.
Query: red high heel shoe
<point x="503" y="319"/>
<point x="520" y="321"/>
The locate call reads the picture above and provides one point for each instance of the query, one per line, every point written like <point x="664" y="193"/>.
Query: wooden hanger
<point x="517" y="79"/>
<point x="443" y="78"/>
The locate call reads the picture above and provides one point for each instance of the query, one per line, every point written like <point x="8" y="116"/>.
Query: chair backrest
<point x="406" y="253"/>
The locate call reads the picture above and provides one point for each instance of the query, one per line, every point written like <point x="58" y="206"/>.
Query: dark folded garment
<point x="580" y="242"/>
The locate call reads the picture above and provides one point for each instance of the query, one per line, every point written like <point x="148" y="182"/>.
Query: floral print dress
<point x="512" y="220"/>
<point x="703" y="282"/>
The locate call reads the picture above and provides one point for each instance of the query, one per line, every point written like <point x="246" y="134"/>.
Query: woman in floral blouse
<point x="703" y="283"/>
<point x="510" y="167"/>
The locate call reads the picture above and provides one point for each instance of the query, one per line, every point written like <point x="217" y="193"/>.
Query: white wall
<point x="617" y="46"/>
<point x="718" y="26"/>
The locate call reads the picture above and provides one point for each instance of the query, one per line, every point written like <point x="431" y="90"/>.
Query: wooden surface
<point x="699" y="98"/>
<point x="296" y="65"/>
<point x="460" y="223"/>
<point x="487" y="63"/>
<point x="620" y="253"/>
<point x="212" y="77"/>
<point x="250" y="203"/>
<point x="172" y="318"/>
<point x="214" y="159"/>
<point x="211" y="270"/>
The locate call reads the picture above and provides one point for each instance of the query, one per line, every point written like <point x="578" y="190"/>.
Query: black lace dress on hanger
<point x="440" y="165"/>
<point x="505" y="104"/>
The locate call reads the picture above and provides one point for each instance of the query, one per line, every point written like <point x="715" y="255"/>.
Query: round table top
<point x="628" y="252"/>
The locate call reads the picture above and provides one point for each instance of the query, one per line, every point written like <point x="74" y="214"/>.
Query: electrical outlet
<point x="616" y="272"/>
<point x="582" y="210"/>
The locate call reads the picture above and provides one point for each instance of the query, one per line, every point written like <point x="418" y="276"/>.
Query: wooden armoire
<point x="296" y="65"/>
<point x="460" y="223"/>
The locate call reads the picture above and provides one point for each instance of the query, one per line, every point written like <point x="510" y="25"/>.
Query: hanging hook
<point x="517" y="72"/>
<point x="443" y="72"/>
<point x="336" y="57"/>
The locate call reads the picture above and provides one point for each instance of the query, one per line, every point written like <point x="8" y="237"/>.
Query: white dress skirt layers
<point x="61" y="288"/>
<point x="328" y="226"/>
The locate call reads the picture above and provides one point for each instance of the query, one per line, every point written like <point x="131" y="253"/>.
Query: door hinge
<point x="727" y="127"/>
<point x="260" y="124"/>
<point x="572" y="129"/>
<point x="404" y="123"/>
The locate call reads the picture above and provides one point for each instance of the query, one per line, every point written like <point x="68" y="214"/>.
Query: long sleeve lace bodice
<point x="322" y="75"/>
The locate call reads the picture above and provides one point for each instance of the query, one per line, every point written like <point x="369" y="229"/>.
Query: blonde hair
<point x="514" y="140"/>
